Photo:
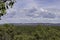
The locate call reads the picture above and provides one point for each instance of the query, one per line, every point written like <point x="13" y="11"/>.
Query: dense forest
<point x="25" y="32"/>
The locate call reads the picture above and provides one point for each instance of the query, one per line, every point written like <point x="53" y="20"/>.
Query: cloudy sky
<point x="33" y="11"/>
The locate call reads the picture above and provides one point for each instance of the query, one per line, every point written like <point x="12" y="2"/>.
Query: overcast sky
<point x="33" y="11"/>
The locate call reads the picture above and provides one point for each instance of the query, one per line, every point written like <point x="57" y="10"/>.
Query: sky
<point x="33" y="11"/>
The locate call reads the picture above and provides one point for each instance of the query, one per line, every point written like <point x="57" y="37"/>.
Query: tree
<point x="4" y="6"/>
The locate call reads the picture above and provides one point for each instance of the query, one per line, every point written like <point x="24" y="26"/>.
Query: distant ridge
<point x="34" y="24"/>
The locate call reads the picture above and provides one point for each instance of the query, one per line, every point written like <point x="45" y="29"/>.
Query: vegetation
<point x="3" y="6"/>
<point x="39" y="32"/>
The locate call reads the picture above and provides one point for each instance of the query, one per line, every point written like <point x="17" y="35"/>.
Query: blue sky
<point x="33" y="11"/>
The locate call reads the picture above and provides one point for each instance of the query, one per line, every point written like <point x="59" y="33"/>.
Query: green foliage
<point x="3" y="7"/>
<point x="24" y="32"/>
<point x="39" y="32"/>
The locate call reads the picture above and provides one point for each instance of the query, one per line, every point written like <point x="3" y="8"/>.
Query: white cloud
<point x="28" y="11"/>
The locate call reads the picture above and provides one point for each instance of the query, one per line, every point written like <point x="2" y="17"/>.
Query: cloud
<point x="33" y="11"/>
<point x="47" y="15"/>
<point x="48" y="3"/>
